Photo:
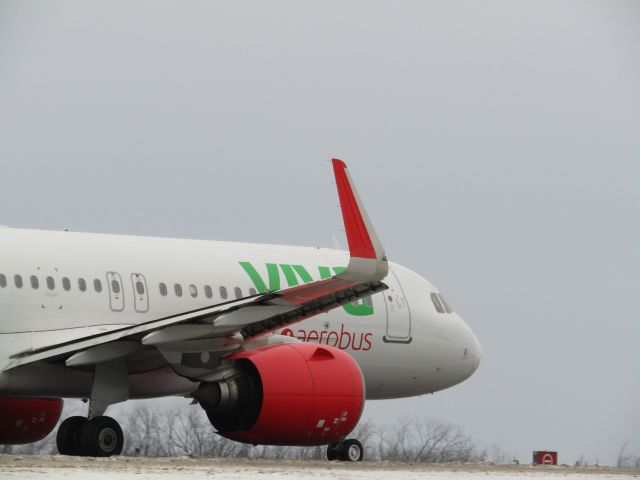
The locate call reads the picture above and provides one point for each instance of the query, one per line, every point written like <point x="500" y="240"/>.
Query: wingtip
<point x="338" y="163"/>
<point x="364" y="244"/>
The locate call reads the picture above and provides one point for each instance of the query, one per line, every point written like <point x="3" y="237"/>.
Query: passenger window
<point x="66" y="283"/>
<point x="82" y="285"/>
<point x="18" y="281"/>
<point x="178" y="289"/>
<point x="35" y="283"/>
<point x="436" y="303"/>
<point x="238" y="292"/>
<point x="97" y="285"/>
<point x="252" y="291"/>
<point x="163" y="289"/>
<point x="207" y="291"/>
<point x="223" y="292"/>
<point x="3" y="280"/>
<point x="193" y="291"/>
<point x="140" y="288"/>
<point x="115" y="286"/>
<point x="51" y="284"/>
<point x="447" y="307"/>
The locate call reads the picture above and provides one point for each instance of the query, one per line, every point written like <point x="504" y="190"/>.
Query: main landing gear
<point x="96" y="437"/>
<point x="349" y="450"/>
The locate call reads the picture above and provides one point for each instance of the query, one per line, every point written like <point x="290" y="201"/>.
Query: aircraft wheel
<point x="101" y="437"/>
<point x="347" y="451"/>
<point x="352" y="450"/>
<point x="68" y="436"/>
<point x="332" y="452"/>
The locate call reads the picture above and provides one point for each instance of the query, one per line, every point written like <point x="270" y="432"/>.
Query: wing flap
<point x="198" y="315"/>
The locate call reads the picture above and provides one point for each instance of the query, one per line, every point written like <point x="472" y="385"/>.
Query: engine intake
<point x="288" y="394"/>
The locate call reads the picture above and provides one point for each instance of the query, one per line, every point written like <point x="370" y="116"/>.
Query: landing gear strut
<point x="346" y="451"/>
<point x="96" y="437"/>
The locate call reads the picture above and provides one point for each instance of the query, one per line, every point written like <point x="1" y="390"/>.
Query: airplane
<point x="280" y="345"/>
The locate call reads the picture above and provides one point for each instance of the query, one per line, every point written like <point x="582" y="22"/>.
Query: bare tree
<point x="581" y="461"/>
<point x="627" y="459"/>
<point x="497" y="455"/>
<point x="185" y="431"/>
<point x="427" y="440"/>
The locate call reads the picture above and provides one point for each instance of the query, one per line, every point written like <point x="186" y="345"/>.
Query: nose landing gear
<point x="96" y="437"/>
<point x="346" y="451"/>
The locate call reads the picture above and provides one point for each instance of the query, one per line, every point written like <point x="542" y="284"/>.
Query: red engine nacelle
<point x="27" y="420"/>
<point x="290" y="394"/>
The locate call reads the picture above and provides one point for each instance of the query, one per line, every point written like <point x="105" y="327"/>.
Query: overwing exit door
<point x="116" y="295"/>
<point x="140" y="295"/>
<point x="398" y="312"/>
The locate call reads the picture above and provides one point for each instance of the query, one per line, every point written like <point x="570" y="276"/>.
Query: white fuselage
<point x="402" y="344"/>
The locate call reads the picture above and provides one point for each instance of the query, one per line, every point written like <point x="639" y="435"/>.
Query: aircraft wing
<point x="242" y="323"/>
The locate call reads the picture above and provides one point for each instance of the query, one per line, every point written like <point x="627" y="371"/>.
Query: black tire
<point x="68" y="436"/>
<point x="101" y="437"/>
<point x="332" y="452"/>
<point x="352" y="451"/>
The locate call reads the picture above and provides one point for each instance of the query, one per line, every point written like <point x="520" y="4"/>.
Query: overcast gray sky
<point x="496" y="145"/>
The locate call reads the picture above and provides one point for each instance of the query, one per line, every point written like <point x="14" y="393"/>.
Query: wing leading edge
<point x="250" y="317"/>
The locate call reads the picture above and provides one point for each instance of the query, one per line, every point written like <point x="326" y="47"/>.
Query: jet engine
<point x="288" y="394"/>
<point x="27" y="420"/>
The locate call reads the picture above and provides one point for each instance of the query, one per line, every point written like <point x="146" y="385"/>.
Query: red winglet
<point x="360" y="244"/>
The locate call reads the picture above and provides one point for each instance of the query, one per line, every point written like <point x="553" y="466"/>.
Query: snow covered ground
<point x="122" y="468"/>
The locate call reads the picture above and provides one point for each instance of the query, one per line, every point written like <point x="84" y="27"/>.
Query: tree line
<point x="186" y="431"/>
